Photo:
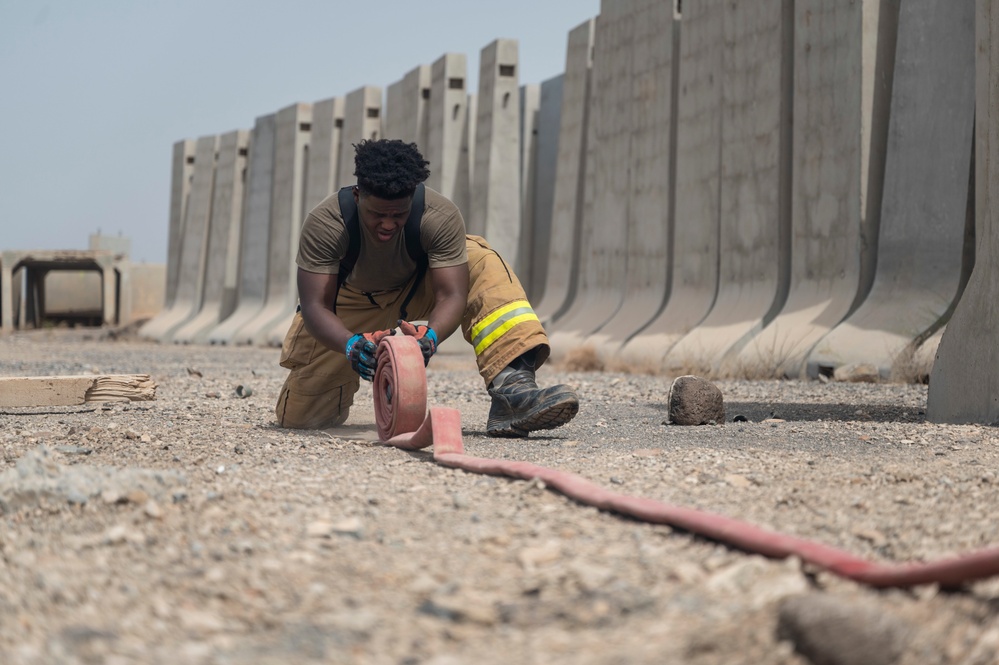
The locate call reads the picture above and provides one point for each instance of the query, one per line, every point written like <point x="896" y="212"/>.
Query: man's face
<point x="381" y="217"/>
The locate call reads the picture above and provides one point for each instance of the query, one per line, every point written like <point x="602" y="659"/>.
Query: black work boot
<point x="520" y="406"/>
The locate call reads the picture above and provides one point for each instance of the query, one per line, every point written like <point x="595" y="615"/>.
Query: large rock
<point x="830" y="631"/>
<point x="694" y="401"/>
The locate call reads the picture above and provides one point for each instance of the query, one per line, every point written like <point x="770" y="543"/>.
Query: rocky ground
<point x="191" y="529"/>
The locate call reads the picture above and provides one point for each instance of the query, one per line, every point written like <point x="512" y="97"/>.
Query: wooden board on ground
<point x="73" y="390"/>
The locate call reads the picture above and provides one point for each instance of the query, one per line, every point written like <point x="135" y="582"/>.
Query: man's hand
<point x="361" y="349"/>
<point x="425" y="335"/>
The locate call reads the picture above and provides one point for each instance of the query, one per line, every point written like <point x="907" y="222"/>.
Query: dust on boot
<point x="519" y="406"/>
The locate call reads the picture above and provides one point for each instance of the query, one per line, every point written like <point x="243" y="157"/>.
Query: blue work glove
<point x="426" y="337"/>
<point x="361" y="350"/>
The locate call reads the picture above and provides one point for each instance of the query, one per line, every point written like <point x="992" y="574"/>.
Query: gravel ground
<point x="192" y="529"/>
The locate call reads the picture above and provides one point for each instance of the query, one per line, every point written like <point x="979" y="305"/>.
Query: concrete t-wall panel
<point x="754" y="153"/>
<point x="255" y="232"/>
<point x="649" y="206"/>
<point x="291" y="136"/>
<point x="831" y="133"/>
<point x="194" y="245"/>
<point x="694" y="259"/>
<point x="495" y="212"/>
<point x="182" y="169"/>
<point x="361" y="121"/>
<point x="530" y="103"/>
<point x="546" y="165"/>
<point x="324" y="151"/>
<point x="925" y="201"/>
<point x="604" y="243"/>
<point x="567" y="210"/>
<point x="180" y="188"/>
<point x="465" y="170"/>
<point x="964" y="384"/>
<point x="447" y="120"/>
<point x="222" y="256"/>
<point x="406" y="107"/>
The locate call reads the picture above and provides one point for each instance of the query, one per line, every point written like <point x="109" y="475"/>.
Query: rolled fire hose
<point x="400" y="397"/>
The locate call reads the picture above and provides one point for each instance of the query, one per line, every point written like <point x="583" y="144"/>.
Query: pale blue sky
<point x="93" y="93"/>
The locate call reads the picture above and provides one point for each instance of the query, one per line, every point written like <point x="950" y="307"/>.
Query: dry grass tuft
<point x="909" y="366"/>
<point x="631" y="367"/>
<point x="583" y="359"/>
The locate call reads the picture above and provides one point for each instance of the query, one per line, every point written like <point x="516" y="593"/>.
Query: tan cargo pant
<point x="498" y="322"/>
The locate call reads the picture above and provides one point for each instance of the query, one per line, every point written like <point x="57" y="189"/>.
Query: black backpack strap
<point x="348" y="210"/>
<point x="411" y="231"/>
<point x="413" y="246"/>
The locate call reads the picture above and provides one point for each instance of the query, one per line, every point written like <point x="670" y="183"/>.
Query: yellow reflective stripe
<point x="484" y="343"/>
<point x="479" y="327"/>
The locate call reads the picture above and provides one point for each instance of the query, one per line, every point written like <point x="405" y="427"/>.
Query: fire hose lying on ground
<point x="400" y="397"/>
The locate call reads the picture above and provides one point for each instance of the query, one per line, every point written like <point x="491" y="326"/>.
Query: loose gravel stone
<point x="319" y="547"/>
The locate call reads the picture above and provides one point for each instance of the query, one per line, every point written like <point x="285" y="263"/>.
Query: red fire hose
<point x="400" y="396"/>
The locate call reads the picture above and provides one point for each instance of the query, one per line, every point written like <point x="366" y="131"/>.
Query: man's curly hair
<point x="388" y="168"/>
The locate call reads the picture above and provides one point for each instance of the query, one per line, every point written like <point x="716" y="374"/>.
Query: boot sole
<point x="556" y="412"/>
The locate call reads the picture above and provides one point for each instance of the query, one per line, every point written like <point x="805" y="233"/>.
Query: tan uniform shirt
<point x="381" y="266"/>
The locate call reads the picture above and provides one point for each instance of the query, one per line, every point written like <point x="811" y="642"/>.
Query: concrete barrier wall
<point x="925" y="202"/>
<point x="495" y="209"/>
<point x="406" y="103"/>
<point x="567" y="205"/>
<point x="692" y="267"/>
<point x="535" y="244"/>
<point x="963" y="386"/>
<point x="180" y="187"/>
<point x="222" y="255"/>
<point x="291" y="137"/>
<point x="603" y="263"/>
<point x="324" y="151"/>
<point x="530" y="104"/>
<point x="753" y="187"/>
<point x="193" y="246"/>
<point x="362" y="119"/>
<point x="830" y="145"/>
<point x="740" y="188"/>
<point x="255" y="234"/>
<point x="647" y="202"/>
<point x="446" y="125"/>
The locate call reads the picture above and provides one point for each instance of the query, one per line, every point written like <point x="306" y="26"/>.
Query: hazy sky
<point x="93" y="93"/>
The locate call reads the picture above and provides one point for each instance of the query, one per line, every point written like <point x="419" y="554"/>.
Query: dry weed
<point x="582" y="359"/>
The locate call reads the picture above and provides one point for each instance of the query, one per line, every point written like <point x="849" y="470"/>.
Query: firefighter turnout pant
<point x="498" y="322"/>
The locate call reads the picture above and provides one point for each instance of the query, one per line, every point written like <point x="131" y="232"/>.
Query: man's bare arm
<point x="316" y="294"/>
<point x="450" y="298"/>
